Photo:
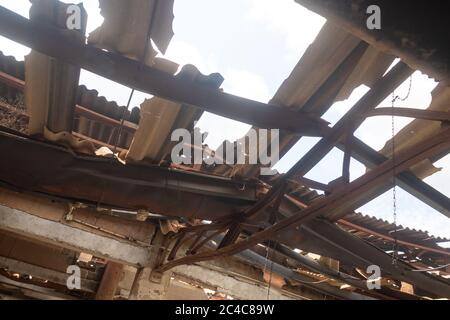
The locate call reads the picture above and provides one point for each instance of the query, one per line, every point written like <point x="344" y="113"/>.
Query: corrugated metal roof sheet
<point x="161" y="117"/>
<point x="126" y="27"/>
<point x="89" y="99"/>
<point x="385" y="227"/>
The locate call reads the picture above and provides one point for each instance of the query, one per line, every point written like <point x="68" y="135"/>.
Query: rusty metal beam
<point x="130" y="187"/>
<point x="11" y="81"/>
<point x="53" y="42"/>
<point x="110" y="280"/>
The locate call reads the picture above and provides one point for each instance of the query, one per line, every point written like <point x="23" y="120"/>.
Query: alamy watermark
<point x="253" y="148"/>
<point x="73" y="281"/>
<point x="374" y="20"/>
<point x="73" y="21"/>
<point x="374" y="280"/>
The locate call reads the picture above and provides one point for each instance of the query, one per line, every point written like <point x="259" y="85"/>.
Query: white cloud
<point x="299" y="25"/>
<point x="184" y="53"/>
<point x="238" y="82"/>
<point x="246" y="84"/>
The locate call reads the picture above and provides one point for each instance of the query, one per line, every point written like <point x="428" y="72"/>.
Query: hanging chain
<point x="267" y="260"/>
<point x="394" y="182"/>
<point x="271" y="270"/>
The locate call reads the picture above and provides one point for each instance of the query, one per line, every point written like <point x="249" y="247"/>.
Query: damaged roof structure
<point x="85" y="182"/>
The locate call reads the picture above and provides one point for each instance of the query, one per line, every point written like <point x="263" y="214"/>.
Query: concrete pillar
<point x="149" y="285"/>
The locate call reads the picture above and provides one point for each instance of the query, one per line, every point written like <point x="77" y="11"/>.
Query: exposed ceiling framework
<point x="157" y="210"/>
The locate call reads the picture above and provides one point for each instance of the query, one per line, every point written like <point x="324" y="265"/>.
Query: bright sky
<point x="255" y="44"/>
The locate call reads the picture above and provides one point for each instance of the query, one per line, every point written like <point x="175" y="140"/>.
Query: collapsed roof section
<point x="65" y="135"/>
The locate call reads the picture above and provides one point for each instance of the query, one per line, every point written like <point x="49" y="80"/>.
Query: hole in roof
<point x="340" y="108"/>
<point x="9" y="47"/>
<point x="329" y="168"/>
<point x="440" y="179"/>
<point x="411" y="213"/>
<point x="23" y="8"/>
<point x="376" y="131"/>
<point x="111" y="90"/>
<point x="240" y="51"/>
<point x="295" y="153"/>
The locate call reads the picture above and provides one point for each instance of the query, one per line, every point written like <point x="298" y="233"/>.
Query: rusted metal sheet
<point x="404" y="233"/>
<point x="108" y="182"/>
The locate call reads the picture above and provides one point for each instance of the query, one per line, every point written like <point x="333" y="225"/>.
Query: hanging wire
<point x="394" y="182"/>
<point x="270" y="275"/>
<point x="271" y="268"/>
<point x="122" y="116"/>
<point x="142" y="63"/>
